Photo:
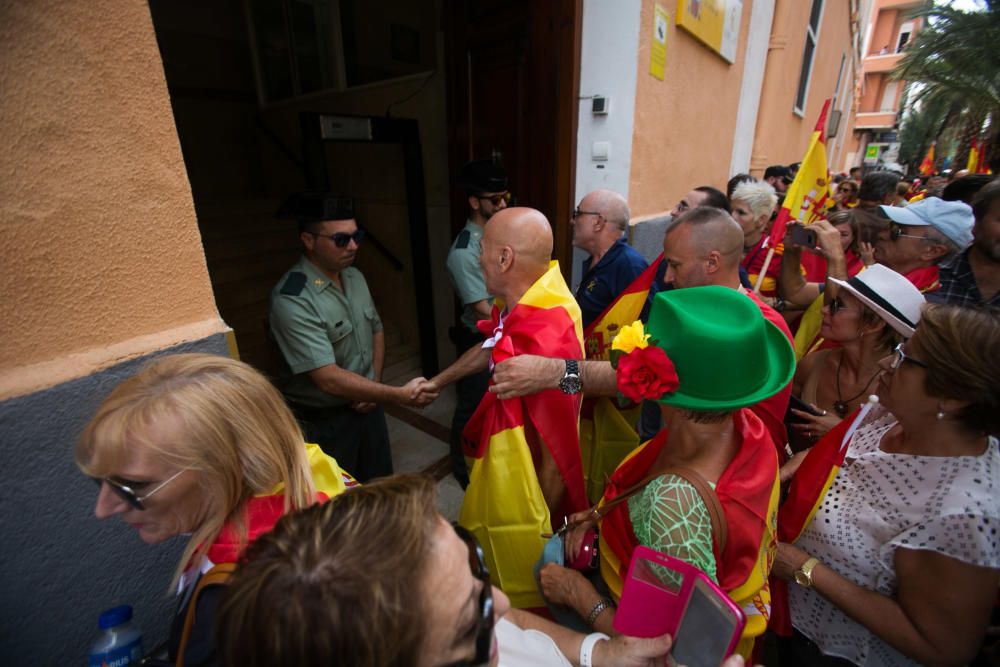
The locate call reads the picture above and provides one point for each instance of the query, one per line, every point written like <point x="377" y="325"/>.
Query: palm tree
<point x="955" y="59"/>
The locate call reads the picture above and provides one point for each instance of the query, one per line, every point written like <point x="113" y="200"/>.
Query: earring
<point x="940" y="413"/>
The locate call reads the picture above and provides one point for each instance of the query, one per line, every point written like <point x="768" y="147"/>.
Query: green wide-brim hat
<point x="726" y="353"/>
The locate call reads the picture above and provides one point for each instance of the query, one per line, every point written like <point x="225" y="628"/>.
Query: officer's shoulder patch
<point x="463" y="239"/>
<point x="294" y="284"/>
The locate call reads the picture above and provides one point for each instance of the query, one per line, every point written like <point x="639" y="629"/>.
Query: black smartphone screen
<point x="705" y="631"/>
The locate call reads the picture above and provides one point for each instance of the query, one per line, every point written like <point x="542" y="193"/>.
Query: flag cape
<point x="927" y="165"/>
<point x="608" y="432"/>
<point x="503" y="505"/>
<point x="807" y="338"/>
<point x="808" y="197"/>
<point x="748" y="491"/>
<point x="805" y="494"/>
<point x="263" y="511"/>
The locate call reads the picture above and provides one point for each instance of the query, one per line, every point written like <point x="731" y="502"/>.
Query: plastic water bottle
<point x="120" y="644"/>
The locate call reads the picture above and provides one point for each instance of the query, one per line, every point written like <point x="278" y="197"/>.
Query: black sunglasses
<point x="497" y="198"/>
<point x="577" y="213"/>
<point x="128" y="494"/>
<point x="341" y="239"/>
<point x="484" y="620"/>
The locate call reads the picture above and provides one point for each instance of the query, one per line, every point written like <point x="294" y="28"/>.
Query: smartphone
<point x="799" y="404"/>
<point x="710" y="628"/>
<point x="803" y="235"/>
<point x="663" y="594"/>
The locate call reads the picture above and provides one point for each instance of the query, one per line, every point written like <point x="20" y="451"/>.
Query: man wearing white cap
<point x="922" y="236"/>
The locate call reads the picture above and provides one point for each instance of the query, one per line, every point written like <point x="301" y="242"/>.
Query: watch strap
<point x="807" y="572"/>
<point x="587" y="648"/>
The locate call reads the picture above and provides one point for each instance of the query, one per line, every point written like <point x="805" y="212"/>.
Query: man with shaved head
<point x="599" y="225"/>
<point x="527" y="474"/>
<point x="702" y="247"/>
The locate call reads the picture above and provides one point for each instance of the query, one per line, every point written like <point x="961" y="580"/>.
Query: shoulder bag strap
<point x="218" y="575"/>
<point x="711" y="500"/>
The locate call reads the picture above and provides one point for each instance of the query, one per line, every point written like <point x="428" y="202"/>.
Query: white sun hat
<point x="889" y="294"/>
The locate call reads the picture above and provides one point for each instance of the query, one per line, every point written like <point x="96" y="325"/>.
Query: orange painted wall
<point x="683" y="130"/>
<point x="102" y="259"/>
<point x="782" y="135"/>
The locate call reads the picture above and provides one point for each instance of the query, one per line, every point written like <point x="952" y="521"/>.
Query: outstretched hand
<point x="815" y="426"/>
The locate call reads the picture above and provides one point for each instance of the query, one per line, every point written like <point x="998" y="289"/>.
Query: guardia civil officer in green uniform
<point x="485" y="185"/>
<point x="330" y="335"/>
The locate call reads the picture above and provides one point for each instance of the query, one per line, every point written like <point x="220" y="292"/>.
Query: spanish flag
<point x="806" y="199"/>
<point x="503" y="505"/>
<point x="927" y="166"/>
<point x="972" y="165"/>
<point x="264" y="510"/>
<point x="607" y="432"/>
<point x="805" y="494"/>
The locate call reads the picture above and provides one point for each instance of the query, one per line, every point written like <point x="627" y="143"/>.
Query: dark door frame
<point x="320" y="128"/>
<point x="552" y="36"/>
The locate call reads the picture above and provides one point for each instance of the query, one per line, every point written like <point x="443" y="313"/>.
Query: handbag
<point x="589" y="557"/>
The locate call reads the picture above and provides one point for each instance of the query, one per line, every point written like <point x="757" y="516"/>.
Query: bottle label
<point x="129" y="654"/>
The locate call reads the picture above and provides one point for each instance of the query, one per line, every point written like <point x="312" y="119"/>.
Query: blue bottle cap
<point x="115" y="616"/>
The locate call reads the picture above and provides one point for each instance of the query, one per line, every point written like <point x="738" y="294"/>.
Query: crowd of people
<point x="813" y="426"/>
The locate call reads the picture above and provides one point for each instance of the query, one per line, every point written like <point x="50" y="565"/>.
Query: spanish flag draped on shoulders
<point x="710" y="350"/>
<point x="748" y="491"/>
<point x="503" y="505"/>
<point x="263" y="511"/>
<point x="607" y="431"/>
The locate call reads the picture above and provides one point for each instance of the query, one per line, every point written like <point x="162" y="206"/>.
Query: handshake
<point x="419" y="392"/>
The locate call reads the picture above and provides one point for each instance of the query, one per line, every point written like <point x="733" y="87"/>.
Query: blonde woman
<point x="202" y="445"/>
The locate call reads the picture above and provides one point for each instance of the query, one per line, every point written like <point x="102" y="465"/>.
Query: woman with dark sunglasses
<point x="870" y="314"/>
<point x="889" y="532"/>
<point x="201" y="445"/>
<point x="377" y="578"/>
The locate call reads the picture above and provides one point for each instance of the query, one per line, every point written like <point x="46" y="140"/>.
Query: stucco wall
<point x="782" y="135"/>
<point x="684" y="124"/>
<point x="61" y="566"/>
<point x="102" y="259"/>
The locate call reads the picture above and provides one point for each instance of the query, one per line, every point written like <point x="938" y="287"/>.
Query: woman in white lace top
<point x="900" y="564"/>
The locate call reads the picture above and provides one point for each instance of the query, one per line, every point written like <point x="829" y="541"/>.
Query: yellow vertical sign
<point x="658" y="47"/>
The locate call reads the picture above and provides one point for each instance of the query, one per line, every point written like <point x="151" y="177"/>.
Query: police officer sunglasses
<point x="341" y="239"/>
<point x="497" y="198"/>
<point x="128" y="494"/>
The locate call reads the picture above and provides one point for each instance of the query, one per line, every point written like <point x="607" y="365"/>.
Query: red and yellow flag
<point x="927" y="165"/>
<point x="972" y="164"/>
<point x="503" y="505"/>
<point x="608" y="432"/>
<point x="806" y="199"/>
<point x="748" y="491"/>
<point x="806" y="493"/>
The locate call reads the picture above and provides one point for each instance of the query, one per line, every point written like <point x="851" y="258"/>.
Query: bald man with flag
<point x="527" y="473"/>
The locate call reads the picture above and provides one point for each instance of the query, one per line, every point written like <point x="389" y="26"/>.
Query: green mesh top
<point x="670" y="516"/>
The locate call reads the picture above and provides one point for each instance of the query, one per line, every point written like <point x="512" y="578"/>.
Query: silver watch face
<point x="570" y="384"/>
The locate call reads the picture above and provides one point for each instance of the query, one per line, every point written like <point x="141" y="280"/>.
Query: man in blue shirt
<point x="599" y="223"/>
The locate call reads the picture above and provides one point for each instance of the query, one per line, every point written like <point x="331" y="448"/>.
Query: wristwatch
<point x="804" y="575"/>
<point x="571" y="383"/>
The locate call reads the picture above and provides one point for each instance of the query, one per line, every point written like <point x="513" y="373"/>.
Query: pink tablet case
<point x="647" y="608"/>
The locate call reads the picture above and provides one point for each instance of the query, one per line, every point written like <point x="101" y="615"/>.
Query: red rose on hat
<point x="646" y="373"/>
